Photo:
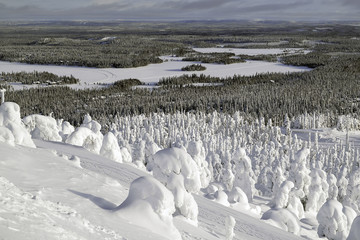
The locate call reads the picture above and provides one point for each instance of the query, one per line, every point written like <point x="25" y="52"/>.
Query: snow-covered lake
<point x="152" y="73"/>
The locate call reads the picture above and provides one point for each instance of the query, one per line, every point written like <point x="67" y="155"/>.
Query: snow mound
<point x="150" y="205"/>
<point x="334" y="220"/>
<point x="284" y="219"/>
<point x="42" y="127"/>
<point x="175" y="168"/>
<point x="12" y="130"/>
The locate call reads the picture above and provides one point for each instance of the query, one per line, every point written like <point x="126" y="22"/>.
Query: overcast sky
<point x="294" y="10"/>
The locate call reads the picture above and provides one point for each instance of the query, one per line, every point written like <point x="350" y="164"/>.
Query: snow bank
<point x="12" y="130"/>
<point x="334" y="220"/>
<point x="150" y="205"/>
<point x="284" y="219"/>
<point x="42" y="127"/>
<point x="175" y="168"/>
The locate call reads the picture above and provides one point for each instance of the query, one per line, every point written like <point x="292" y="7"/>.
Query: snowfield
<point x="152" y="73"/>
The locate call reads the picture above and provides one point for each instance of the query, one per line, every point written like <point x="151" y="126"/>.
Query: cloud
<point x="180" y="9"/>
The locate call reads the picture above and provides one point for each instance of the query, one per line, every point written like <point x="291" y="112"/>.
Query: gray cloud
<point x="191" y="9"/>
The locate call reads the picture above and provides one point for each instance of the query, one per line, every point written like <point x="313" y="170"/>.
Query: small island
<point x="194" y="67"/>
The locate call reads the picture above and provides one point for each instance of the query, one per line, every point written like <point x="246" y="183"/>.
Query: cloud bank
<point x="180" y="9"/>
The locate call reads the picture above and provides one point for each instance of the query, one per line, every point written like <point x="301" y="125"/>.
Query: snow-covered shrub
<point x="42" y="127"/>
<point x="65" y="129"/>
<point x="150" y="205"/>
<point x="355" y="230"/>
<point x="110" y="148"/>
<point x="229" y="227"/>
<point x="12" y="129"/>
<point x="282" y="218"/>
<point x="86" y="138"/>
<point x="175" y="168"/>
<point x="88" y="135"/>
<point x="334" y="223"/>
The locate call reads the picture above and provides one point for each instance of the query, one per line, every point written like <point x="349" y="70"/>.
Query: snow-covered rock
<point x="150" y="205"/>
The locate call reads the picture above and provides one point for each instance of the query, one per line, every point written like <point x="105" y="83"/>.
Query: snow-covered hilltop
<point x="189" y="176"/>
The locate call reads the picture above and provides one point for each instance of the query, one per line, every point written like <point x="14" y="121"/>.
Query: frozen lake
<point x="152" y="73"/>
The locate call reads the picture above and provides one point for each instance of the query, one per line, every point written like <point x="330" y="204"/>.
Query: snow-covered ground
<point x="57" y="182"/>
<point x="152" y="73"/>
<point x="44" y="195"/>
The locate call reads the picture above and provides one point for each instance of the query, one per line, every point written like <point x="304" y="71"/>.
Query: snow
<point x="150" y="205"/>
<point x="152" y="73"/>
<point x="334" y="223"/>
<point x="12" y="130"/>
<point x="127" y="184"/>
<point x="355" y="230"/>
<point x="284" y="219"/>
<point x="249" y="51"/>
<point x="79" y="203"/>
<point x="176" y="169"/>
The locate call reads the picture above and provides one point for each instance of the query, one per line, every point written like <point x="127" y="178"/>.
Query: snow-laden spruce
<point x="12" y="130"/>
<point x="151" y="205"/>
<point x="334" y="220"/>
<point x="176" y="169"/>
<point x="88" y="135"/>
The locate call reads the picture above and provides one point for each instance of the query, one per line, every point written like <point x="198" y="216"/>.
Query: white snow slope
<point x="44" y="195"/>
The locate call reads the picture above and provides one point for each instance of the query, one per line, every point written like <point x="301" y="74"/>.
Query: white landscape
<point x="222" y="177"/>
<point x="152" y="73"/>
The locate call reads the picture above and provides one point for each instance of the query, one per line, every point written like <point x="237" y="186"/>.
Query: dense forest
<point x="331" y="88"/>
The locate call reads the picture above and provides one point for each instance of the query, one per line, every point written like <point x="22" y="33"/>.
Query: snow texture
<point x="12" y="130"/>
<point x="175" y="168"/>
<point x="284" y="219"/>
<point x="355" y="230"/>
<point x="151" y="205"/>
<point x="42" y="127"/>
<point x="334" y="220"/>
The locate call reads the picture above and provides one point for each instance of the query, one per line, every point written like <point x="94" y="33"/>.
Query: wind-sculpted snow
<point x="12" y="130"/>
<point x="334" y="220"/>
<point x="151" y="205"/>
<point x="238" y="166"/>
<point x="42" y="127"/>
<point x="175" y="168"/>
